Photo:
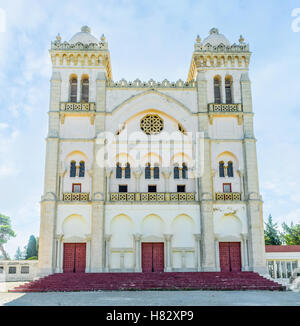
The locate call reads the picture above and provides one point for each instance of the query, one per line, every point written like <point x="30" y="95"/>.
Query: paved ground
<point x="157" y="298"/>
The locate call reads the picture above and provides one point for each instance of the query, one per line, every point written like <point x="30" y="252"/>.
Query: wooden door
<point x="147" y="257"/>
<point x="230" y="256"/>
<point x="153" y="257"/>
<point x="74" y="258"/>
<point x="235" y="256"/>
<point x="69" y="257"/>
<point x="158" y="258"/>
<point x="80" y="258"/>
<point x="224" y="256"/>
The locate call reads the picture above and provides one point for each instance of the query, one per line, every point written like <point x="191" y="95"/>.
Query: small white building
<point x="151" y="176"/>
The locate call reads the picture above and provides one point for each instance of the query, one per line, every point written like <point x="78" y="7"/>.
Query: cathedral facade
<point x="151" y="176"/>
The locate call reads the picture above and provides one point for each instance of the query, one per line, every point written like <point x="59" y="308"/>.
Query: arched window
<point x="82" y="170"/>
<point x="176" y="172"/>
<point x="119" y="171"/>
<point x="127" y="171"/>
<point x="230" y="170"/>
<point x="156" y="172"/>
<point x="148" y="171"/>
<point x="217" y="90"/>
<point x="228" y="90"/>
<point x="73" y="169"/>
<point x="73" y="90"/>
<point x="221" y="170"/>
<point x="85" y="90"/>
<point x="184" y="171"/>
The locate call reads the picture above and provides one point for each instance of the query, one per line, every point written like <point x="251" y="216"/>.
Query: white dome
<point x="84" y="37"/>
<point x="216" y="39"/>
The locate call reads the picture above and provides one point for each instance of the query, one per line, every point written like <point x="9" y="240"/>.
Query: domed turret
<point x="215" y="38"/>
<point x="84" y="37"/>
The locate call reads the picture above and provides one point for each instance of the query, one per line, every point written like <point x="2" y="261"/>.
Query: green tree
<point x="291" y="234"/>
<point x="19" y="254"/>
<point x="6" y="232"/>
<point x="31" y="249"/>
<point x="272" y="235"/>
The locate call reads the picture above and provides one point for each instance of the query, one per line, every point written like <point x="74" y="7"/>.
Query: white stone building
<point x="155" y="176"/>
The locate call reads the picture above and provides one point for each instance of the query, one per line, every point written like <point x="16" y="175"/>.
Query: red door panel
<point x="224" y="256"/>
<point x="158" y="258"/>
<point x="153" y="257"/>
<point x="74" y="258"/>
<point x="69" y="257"/>
<point x="80" y="263"/>
<point x="230" y="256"/>
<point x="235" y="256"/>
<point x="147" y="257"/>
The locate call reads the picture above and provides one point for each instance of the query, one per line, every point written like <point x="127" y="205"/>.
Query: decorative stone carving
<point x="152" y="124"/>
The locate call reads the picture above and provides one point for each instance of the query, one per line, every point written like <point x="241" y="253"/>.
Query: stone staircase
<point x="150" y="281"/>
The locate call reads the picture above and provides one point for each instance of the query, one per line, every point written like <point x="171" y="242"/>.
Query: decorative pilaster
<point x="138" y="174"/>
<point x="168" y="239"/>
<point x="217" y="253"/>
<point x="167" y="175"/>
<point x="138" y="264"/>
<point x="245" y="255"/>
<point x="107" y="252"/>
<point x="198" y="251"/>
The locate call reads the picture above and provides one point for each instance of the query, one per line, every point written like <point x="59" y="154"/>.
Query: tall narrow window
<point x="230" y="170"/>
<point x="221" y="170"/>
<point x="82" y="170"/>
<point x="148" y="171"/>
<point x="85" y="90"/>
<point x="217" y="90"/>
<point x="73" y="169"/>
<point x="119" y="171"/>
<point x="228" y="90"/>
<point x="156" y="172"/>
<point x="73" y="90"/>
<point x="176" y="172"/>
<point x="184" y="171"/>
<point x="127" y="171"/>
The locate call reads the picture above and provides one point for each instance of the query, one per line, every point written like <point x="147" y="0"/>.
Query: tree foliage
<point x="272" y="235"/>
<point x="291" y="234"/>
<point x="31" y="248"/>
<point x="6" y="232"/>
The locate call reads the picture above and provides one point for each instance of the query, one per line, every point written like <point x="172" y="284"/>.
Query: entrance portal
<point x="153" y="257"/>
<point x="74" y="257"/>
<point x="230" y="257"/>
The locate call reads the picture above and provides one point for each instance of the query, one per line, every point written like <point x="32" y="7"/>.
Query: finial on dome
<point x="241" y="40"/>
<point x="214" y="31"/>
<point x="198" y="39"/>
<point x="58" y="37"/>
<point x="103" y="38"/>
<point x="85" y="29"/>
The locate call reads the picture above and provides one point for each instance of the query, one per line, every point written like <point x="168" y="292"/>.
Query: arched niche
<point x="121" y="229"/>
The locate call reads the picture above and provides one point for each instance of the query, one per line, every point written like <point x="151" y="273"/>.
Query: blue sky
<point x="147" y="39"/>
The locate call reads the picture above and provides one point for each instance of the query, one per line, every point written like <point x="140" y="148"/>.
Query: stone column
<point x="217" y="254"/>
<point x="167" y="174"/>
<point x="198" y="251"/>
<point x="205" y="180"/>
<point x="122" y="260"/>
<point x="257" y="255"/>
<point x="109" y="172"/>
<point x="137" y="174"/>
<point x="168" y="240"/>
<point x="88" y="254"/>
<point x="59" y="254"/>
<point x="138" y="264"/>
<point x="245" y="253"/>
<point x="49" y="200"/>
<point x="99" y="180"/>
<point x="107" y="252"/>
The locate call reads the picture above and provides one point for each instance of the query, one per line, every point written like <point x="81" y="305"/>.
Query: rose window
<point x="152" y="124"/>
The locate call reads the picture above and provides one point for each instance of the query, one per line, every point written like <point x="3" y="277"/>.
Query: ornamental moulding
<point x="151" y="84"/>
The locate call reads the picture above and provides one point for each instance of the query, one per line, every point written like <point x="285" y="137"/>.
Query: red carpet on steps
<point x="152" y="281"/>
